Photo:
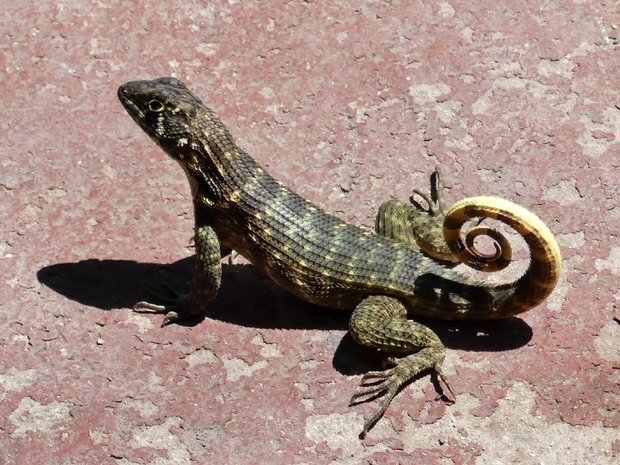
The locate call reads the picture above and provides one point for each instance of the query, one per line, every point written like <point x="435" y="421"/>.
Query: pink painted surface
<point x="350" y="103"/>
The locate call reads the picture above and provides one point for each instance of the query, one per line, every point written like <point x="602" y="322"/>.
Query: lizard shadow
<point x="246" y="297"/>
<point x="249" y="298"/>
<point x="470" y="336"/>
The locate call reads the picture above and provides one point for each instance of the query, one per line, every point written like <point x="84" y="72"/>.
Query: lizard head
<point x="164" y="108"/>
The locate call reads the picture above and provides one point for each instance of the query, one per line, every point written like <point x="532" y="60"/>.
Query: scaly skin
<point x="326" y="261"/>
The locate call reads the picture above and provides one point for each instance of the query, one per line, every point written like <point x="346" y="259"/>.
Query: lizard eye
<point x="155" y="106"/>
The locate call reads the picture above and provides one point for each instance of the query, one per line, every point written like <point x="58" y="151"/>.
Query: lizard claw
<point x="170" y="317"/>
<point x="435" y="205"/>
<point x="390" y="381"/>
<point x="170" y="311"/>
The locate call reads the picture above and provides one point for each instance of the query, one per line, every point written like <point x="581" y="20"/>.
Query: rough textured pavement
<point x="350" y="103"/>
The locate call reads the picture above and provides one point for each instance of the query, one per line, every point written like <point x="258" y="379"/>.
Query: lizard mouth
<point x="124" y="95"/>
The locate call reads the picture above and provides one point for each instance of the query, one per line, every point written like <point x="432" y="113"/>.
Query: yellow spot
<point x="393" y="275"/>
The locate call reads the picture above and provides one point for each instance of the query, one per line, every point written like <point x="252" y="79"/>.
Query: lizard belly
<point x="298" y="276"/>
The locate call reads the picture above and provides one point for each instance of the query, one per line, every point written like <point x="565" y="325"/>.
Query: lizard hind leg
<point x="435" y="205"/>
<point x="418" y="226"/>
<point x="381" y="322"/>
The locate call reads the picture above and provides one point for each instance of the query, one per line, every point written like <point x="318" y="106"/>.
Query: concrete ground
<point x="350" y="103"/>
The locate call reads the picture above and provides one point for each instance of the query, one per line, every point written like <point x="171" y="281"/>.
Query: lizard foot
<point x="174" y="306"/>
<point x="435" y="204"/>
<point x="428" y="223"/>
<point x="390" y="381"/>
<point x="147" y="307"/>
<point x="419" y="223"/>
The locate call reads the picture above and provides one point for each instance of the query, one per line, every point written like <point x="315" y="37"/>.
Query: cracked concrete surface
<point x="350" y="103"/>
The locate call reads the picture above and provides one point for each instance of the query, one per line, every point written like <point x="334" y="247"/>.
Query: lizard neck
<point x="215" y="166"/>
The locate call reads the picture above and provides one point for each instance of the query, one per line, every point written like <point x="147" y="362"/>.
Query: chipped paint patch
<point x="600" y="134"/>
<point x="237" y="368"/>
<point x="513" y="434"/>
<point x="33" y="416"/>
<point x="17" y="380"/>
<point x="162" y="437"/>
<point x="201" y="357"/>
<point x="564" y="192"/>
<point x="606" y="342"/>
<point x="425" y="94"/>
<point x="268" y="350"/>
<point x="336" y="430"/>
<point x="611" y="263"/>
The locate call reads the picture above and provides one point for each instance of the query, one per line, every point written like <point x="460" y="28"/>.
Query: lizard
<point x="385" y="278"/>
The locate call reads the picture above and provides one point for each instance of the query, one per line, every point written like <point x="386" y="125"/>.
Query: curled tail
<point x="545" y="260"/>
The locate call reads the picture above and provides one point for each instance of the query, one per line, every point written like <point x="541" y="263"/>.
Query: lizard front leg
<point x="381" y="322"/>
<point x="205" y="282"/>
